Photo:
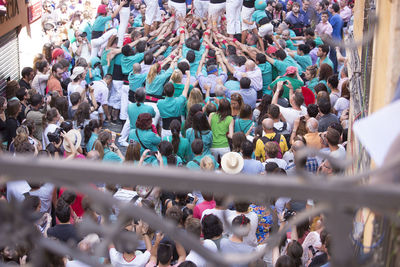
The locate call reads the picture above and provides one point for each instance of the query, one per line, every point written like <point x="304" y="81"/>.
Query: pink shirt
<point x="324" y="28"/>
<point x="198" y="210"/>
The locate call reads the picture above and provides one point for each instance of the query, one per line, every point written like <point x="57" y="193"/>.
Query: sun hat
<point x="77" y="71"/>
<point x="75" y="137"/>
<point x="232" y="163"/>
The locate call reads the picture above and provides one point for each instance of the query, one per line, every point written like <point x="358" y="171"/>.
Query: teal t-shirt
<point x="171" y="106"/>
<point x="137" y="22"/>
<point x="290" y="45"/>
<point x="184" y="151"/>
<point x="157" y="86"/>
<point x="179" y="87"/>
<point x="327" y="60"/>
<point x="99" y="23"/>
<point x="206" y="137"/>
<point x="134" y="111"/>
<point x="311" y="84"/>
<point x="258" y="15"/>
<point x="281" y="65"/>
<point x="136" y="80"/>
<point x="193" y="164"/>
<point x="147" y="137"/>
<point x="127" y="62"/>
<point x="89" y="144"/>
<point x="242" y="125"/>
<point x="303" y="61"/>
<point x="232" y="85"/>
<point x="266" y="72"/>
<point x="111" y="156"/>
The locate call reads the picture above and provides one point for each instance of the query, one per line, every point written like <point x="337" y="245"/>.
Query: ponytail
<point x="99" y="148"/>
<point x="175" y="126"/>
<point x="89" y="128"/>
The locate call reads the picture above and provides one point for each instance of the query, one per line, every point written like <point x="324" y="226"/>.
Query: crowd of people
<point x="224" y="86"/>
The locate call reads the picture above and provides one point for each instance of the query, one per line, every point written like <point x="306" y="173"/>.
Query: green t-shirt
<point x="184" y="151"/>
<point x="136" y="81"/>
<point x="111" y="156"/>
<point x="258" y="15"/>
<point x="327" y="60"/>
<point x="127" y="62"/>
<point x="266" y="72"/>
<point x="89" y="144"/>
<point x="295" y="83"/>
<point x="219" y="130"/>
<point x="290" y="45"/>
<point x="171" y="107"/>
<point x="303" y="61"/>
<point x="99" y="23"/>
<point x="134" y="111"/>
<point x="242" y="125"/>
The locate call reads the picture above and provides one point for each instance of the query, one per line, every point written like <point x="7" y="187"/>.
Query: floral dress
<point x="265" y="222"/>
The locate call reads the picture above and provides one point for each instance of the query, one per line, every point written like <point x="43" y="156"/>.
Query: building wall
<point x="17" y="16"/>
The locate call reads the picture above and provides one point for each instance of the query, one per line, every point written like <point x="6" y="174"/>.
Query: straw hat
<point x="75" y="137"/>
<point x="232" y="162"/>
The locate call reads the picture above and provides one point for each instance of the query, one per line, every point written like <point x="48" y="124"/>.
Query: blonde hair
<point x="195" y="97"/>
<point x="177" y="76"/>
<point x="207" y="164"/>
<point x="153" y="72"/>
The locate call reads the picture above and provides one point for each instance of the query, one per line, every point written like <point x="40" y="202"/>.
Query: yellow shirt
<point x="260" y="147"/>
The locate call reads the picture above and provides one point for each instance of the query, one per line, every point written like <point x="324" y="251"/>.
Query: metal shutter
<point x="9" y="59"/>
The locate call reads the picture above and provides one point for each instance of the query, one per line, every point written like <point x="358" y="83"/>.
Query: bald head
<point x="137" y="68"/>
<point x="268" y="125"/>
<point x="250" y="65"/>
<point x="312" y="125"/>
<point x="297" y="145"/>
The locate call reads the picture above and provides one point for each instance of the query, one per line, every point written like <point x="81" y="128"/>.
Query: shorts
<point x="115" y="94"/>
<point x="246" y="14"/>
<point x="152" y="12"/>
<point x="179" y="7"/>
<point x="215" y="8"/>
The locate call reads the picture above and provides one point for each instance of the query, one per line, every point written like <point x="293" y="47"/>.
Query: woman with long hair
<point x="133" y="152"/>
<point x="343" y="102"/>
<point x="200" y="129"/>
<point x="51" y="122"/>
<point x="237" y="140"/>
<point x="325" y="71"/>
<point x="195" y="97"/>
<point x="12" y="123"/>
<point x="236" y="104"/>
<point x="143" y="133"/>
<point x="311" y="77"/>
<point x="90" y="134"/>
<point x="105" y="145"/>
<point x="245" y="123"/>
<point x="180" y="144"/>
<point x="157" y="77"/>
<point x="169" y="158"/>
<point x="176" y="79"/>
<point x="82" y="115"/>
<point x="222" y="125"/>
<point x="189" y="119"/>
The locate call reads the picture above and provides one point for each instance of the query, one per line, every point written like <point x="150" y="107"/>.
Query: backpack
<point x="284" y="132"/>
<point x="277" y="140"/>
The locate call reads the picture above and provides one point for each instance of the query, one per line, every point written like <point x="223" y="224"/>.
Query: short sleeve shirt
<point x="100" y="23"/>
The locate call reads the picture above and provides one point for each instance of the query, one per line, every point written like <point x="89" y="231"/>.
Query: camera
<point x="152" y="153"/>
<point x="55" y="137"/>
<point x="83" y="34"/>
<point x="288" y="214"/>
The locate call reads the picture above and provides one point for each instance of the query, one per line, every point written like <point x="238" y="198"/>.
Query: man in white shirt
<point x="101" y="93"/>
<point x="82" y="47"/>
<point x="296" y="100"/>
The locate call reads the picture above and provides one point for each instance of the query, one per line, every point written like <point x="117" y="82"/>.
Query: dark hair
<point x="309" y="31"/>
<point x="261" y="58"/>
<point x="231" y="50"/>
<point x="295" y="251"/>
<point x="298" y="98"/>
<point x="30" y="203"/>
<point x="75" y="97"/>
<point x="140" y="96"/>
<point x="335" y="7"/>
<point x="89" y="128"/>
<point x="200" y="123"/>
<point x="175" y="127"/>
<point x="133" y="151"/>
<point x="197" y="146"/>
<point x="190" y="56"/>
<point x="324" y="48"/>
<point x="224" y="109"/>
<point x="20" y="93"/>
<point x="68" y="196"/>
<point x="63" y="211"/>
<point x="324" y="106"/>
<point x="192" y="111"/>
<point x="325" y="71"/>
<point x="61" y="104"/>
<point x="245" y="112"/>
<point x="242" y="206"/>
<point x="311" y="44"/>
<point x="36" y="99"/>
<point x="82" y="113"/>
<point x="141" y="46"/>
<point x="333" y="136"/>
<point x="333" y="80"/>
<point x="270" y="167"/>
<point x="211" y="226"/>
<point x="165" y="148"/>
<point x="240" y="220"/>
<point x="263" y="107"/>
<point x="26" y="71"/>
<point x="183" y="66"/>
<point x="237" y="139"/>
<point x="11" y="89"/>
<point x="169" y="89"/>
<point x="148" y="58"/>
<point x="66" y="126"/>
<point x="187" y="264"/>
<point x="312" y="110"/>
<point x="245" y="83"/>
<point x="175" y="214"/>
<point x="164" y="253"/>
<point x="196" y="44"/>
<point x="274" y="111"/>
<point x="320" y="87"/>
<point x="144" y="121"/>
<point x="56" y="66"/>
<point x="247" y="148"/>
<point x="127" y="51"/>
<point x="304" y="48"/>
<point x="13" y="108"/>
<point x="280" y="54"/>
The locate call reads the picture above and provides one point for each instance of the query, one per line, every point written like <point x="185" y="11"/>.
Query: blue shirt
<point x="249" y="96"/>
<point x="337" y="24"/>
<point x="252" y="166"/>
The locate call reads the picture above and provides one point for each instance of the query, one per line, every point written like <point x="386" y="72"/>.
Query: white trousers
<point x="180" y="9"/>
<point x="115" y="94"/>
<point x="123" y="115"/>
<point x="233" y="10"/>
<point x="246" y="14"/>
<point x="152" y="12"/>
<point x="124" y="14"/>
<point x="219" y="151"/>
<point x="201" y="8"/>
<point x="215" y="8"/>
<point x="101" y="41"/>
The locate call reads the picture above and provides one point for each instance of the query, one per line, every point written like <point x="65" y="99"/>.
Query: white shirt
<point x="16" y="190"/>
<point x="72" y="88"/>
<point x="85" y="53"/>
<point x="341" y="104"/>
<point x="255" y="76"/>
<point x="49" y="129"/>
<point x="124" y="196"/>
<point x="280" y="162"/>
<point x="117" y="259"/>
<point x="197" y="259"/>
<point x="39" y="82"/>
<point x="101" y="92"/>
<point x="145" y="68"/>
<point x="219" y="214"/>
<point x="45" y="193"/>
<point x="291" y="115"/>
<point x="340" y="153"/>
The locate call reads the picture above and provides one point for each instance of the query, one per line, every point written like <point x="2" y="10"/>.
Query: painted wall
<point x="17" y="15"/>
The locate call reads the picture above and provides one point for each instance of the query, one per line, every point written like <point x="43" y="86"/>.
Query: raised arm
<point x="187" y="84"/>
<point x="116" y="12"/>
<point x="279" y="87"/>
